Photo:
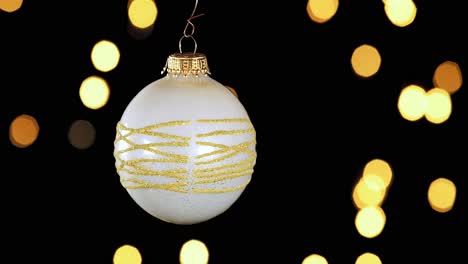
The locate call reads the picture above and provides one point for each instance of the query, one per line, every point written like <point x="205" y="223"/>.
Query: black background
<point x="317" y="124"/>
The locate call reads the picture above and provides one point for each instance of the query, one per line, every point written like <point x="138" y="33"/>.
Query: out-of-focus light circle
<point x="374" y="182"/>
<point x="81" y="134"/>
<point x="356" y="200"/>
<point x="127" y="254"/>
<point x="366" y="60"/>
<point x="379" y="168"/>
<point x="368" y="258"/>
<point x="315" y="259"/>
<point x="412" y="103"/>
<point x="10" y="5"/>
<point x="105" y="55"/>
<point x="439" y="106"/>
<point x="441" y="195"/>
<point x="194" y="252"/>
<point x="321" y="11"/>
<point x="448" y="76"/>
<point x="400" y="12"/>
<point x="94" y="92"/>
<point x="370" y="221"/>
<point x="23" y="131"/>
<point x="364" y="196"/>
<point x="142" y="13"/>
<point x="232" y="90"/>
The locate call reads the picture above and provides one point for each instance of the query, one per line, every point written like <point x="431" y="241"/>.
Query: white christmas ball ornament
<point x="185" y="146"/>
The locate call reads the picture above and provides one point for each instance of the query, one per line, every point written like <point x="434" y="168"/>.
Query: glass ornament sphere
<point x="185" y="146"/>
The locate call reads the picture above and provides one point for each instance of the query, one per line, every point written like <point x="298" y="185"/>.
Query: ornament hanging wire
<point x="189" y="29"/>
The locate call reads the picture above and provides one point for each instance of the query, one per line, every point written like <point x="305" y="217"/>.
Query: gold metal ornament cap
<point x="186" y="64"/>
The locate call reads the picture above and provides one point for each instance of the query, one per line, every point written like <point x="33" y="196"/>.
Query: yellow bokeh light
<point x="400" y="12"/>
<point x="439" y="106"/>
<point x="412" y="103"/>
<point x="366" y="60"/>
<point x="23" y="131"/>
<point x="378" y="168"/>
<point x="321" y="11"/>
<point x="370" y="221"/>
<point x="374" y="182"/>
<point x="94" y="92"/>
<point x="315" y="259"/>
<point x="441" y="195"/>
<point x="194" y="252"/>
<point x="232" y="91"/>
<point x="127" y="254"/>
<point x="10" y="5"/>
<point x="105" y="55"/>
<point x="142" y="13"/>
<point x="356" y="200"/>
<point x="364" y="195"/>
<point x="368" y="258"/>
<point x="448" y="76"/>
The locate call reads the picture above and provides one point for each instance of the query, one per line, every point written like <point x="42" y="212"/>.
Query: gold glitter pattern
<point x="231" y="120"/>
<point x="204" y="173"/>
<point x="227" y="132"/>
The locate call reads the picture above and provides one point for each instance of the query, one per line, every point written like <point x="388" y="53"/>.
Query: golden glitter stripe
<point x="148" y="147"/>
<point x="227" y="156"/>
<point x="224" y="149"/>
<point x="166" y="135"/>
<point x="250" y="162"/>
<point x="124" y="138"/>
<point x="216" y="145"/>
<point x="227" y="176"/>
<point x="163" y="144"/>
<point x="132" y="163"/>
<point x="169" y="144"/>
<point x="155" y="161"/>
<point x="148" y="130"/>
<point x="140" y="184"/>
<point x="158" y="144"/>
<point x="167" y="154"/>
<point x="136" y="167"/>
<point x="225" y="190"/>
<point x="227" y="132"/>
<point x="223" y="172"/>
<point x="228" y="171"/>
<point x="203" y="175"/>
<point x="175" y="157"/>
<point x="210" y="144"/>
<point x="140" y="170"/>
<point x="156" y="126"/>
<point x="153" y="134"/>
<point x="228" y="120"/>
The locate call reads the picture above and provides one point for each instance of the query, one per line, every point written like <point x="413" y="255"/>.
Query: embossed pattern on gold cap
<point x="186" y="64"/>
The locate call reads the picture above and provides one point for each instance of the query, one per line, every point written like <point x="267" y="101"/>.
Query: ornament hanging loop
<point x="194" y="42"/>
<point x="189" y="29"/>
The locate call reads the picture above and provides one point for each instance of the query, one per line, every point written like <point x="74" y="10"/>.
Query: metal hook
<point x="194" y="41"/>
<point x="192" y="28"/>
